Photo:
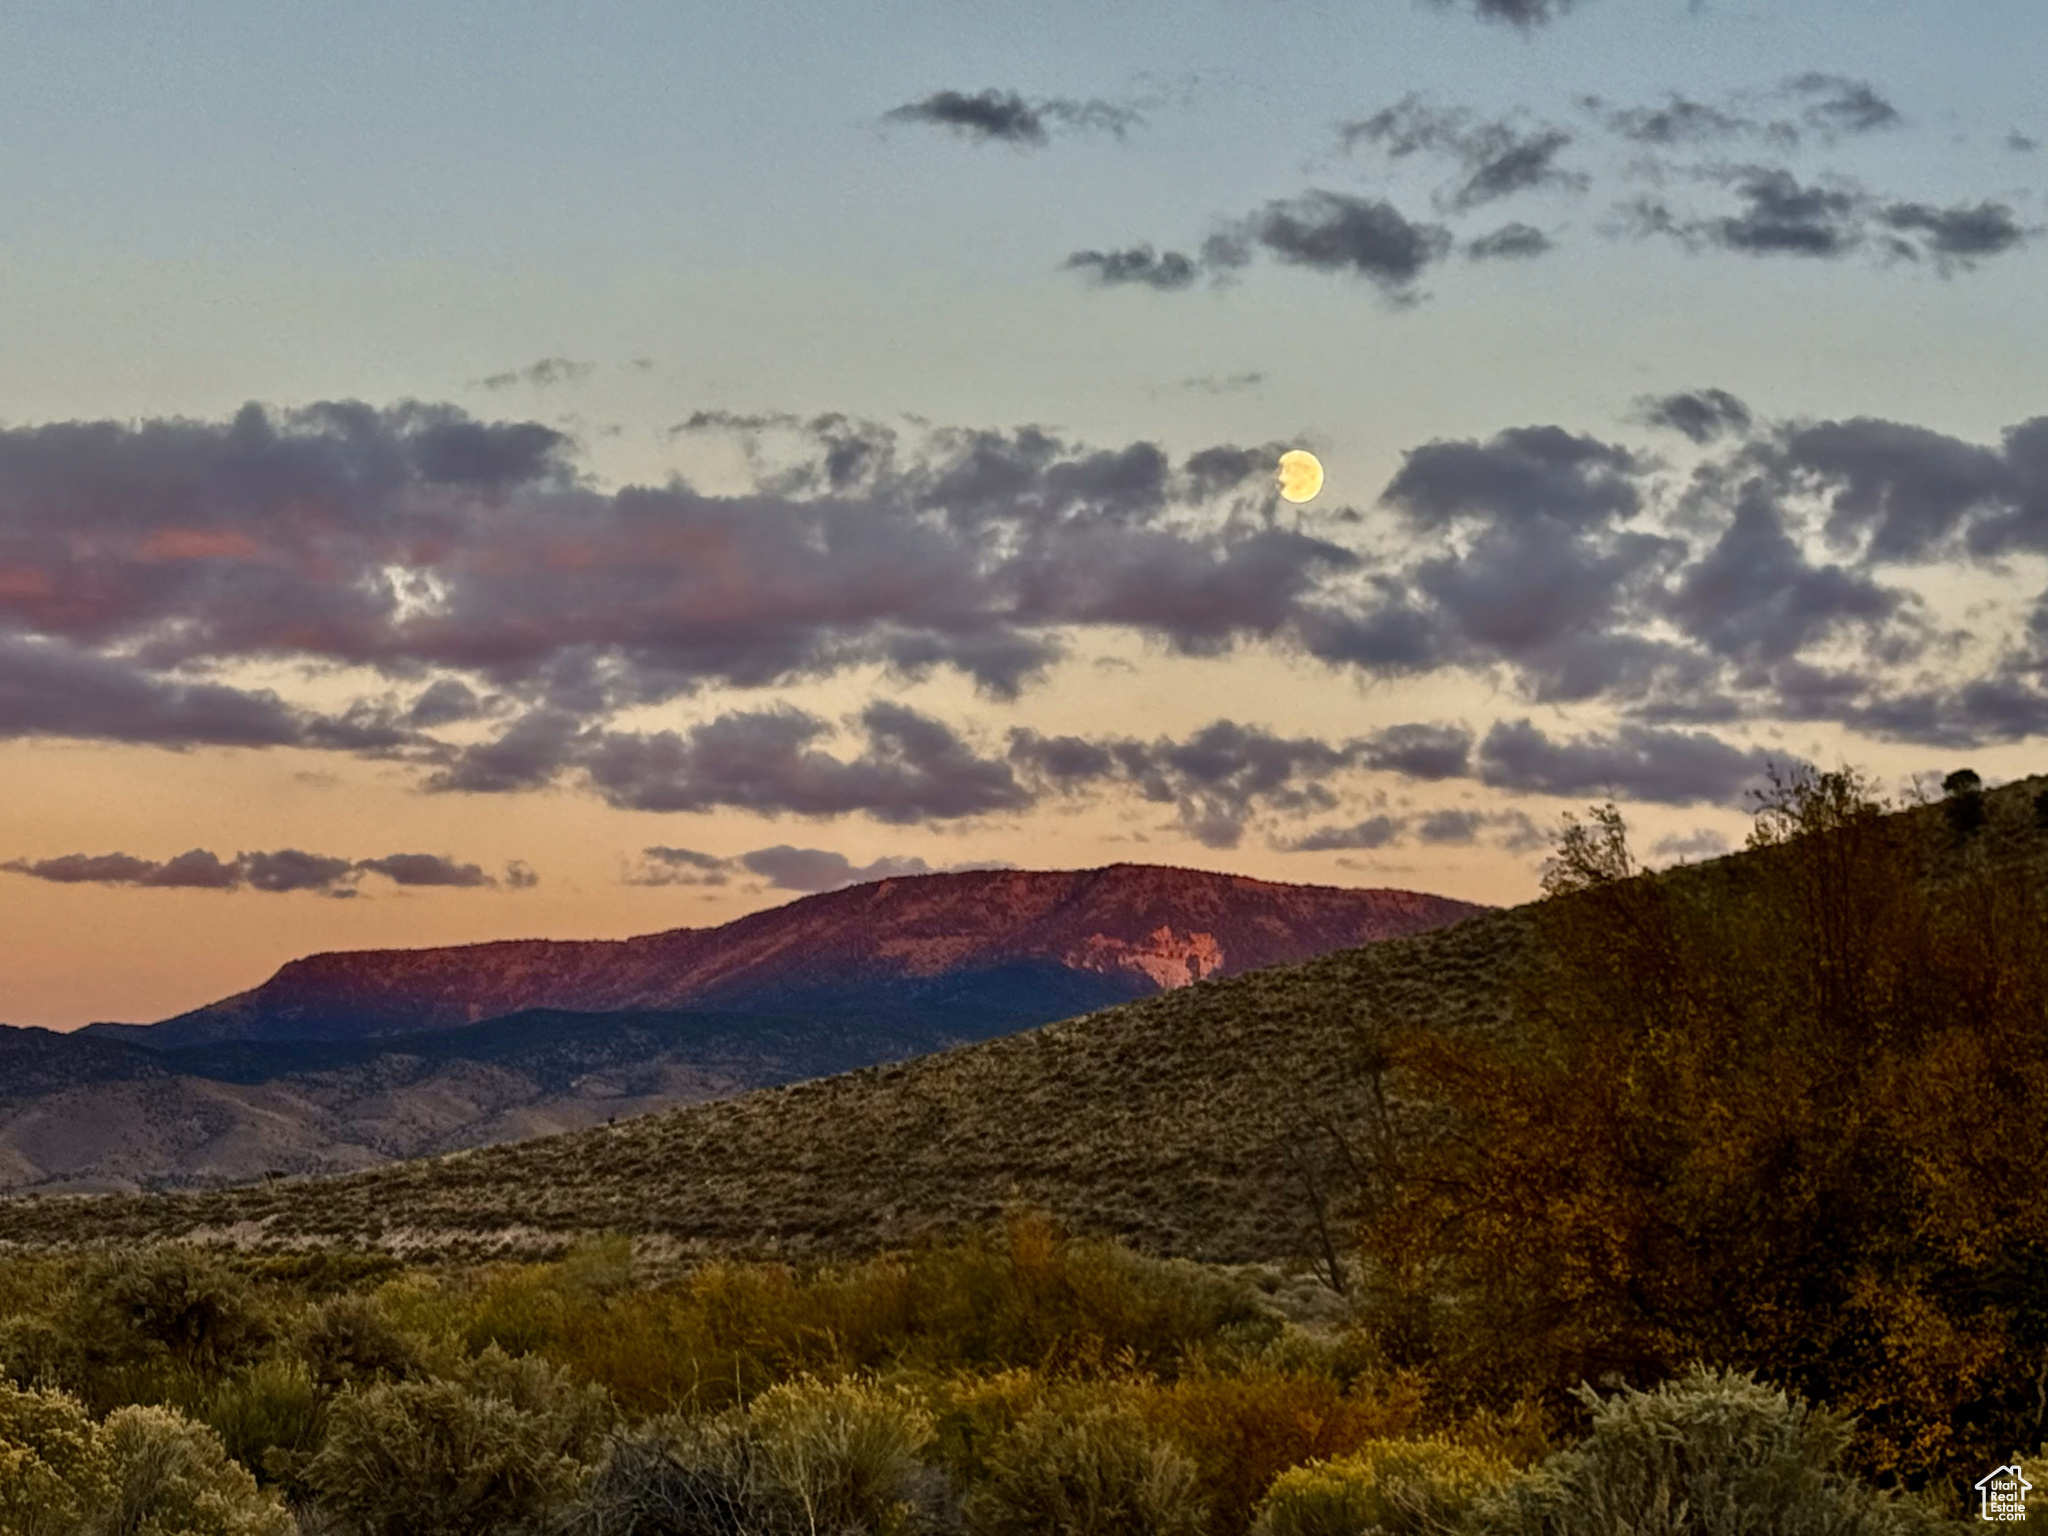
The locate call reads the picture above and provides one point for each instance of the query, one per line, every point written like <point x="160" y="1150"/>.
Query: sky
<point x="577" y="470"/>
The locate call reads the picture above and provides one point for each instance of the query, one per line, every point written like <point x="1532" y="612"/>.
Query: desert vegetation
<point x="1703" y="1201"/>
<point x="1017" y="1383"/>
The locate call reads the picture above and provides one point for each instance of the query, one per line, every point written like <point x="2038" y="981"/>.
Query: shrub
<point x="489" y="1452"/>
<point x="35" y="1352"/>
<point x="52" y="1467"/>
<point x="269" y="1417"/>
<point x="349" y="1339"/>
<point x="1709" y="1454"/>
<point x="806" y="1457"/>
<point x="1099" y="1472"/>
<point x="845" y="1456"/>
<point x="1389" y="1487"/>
<point x="171" y="1477"/>
<point x="672" y="1477"/>
<point x="170" y="1300"/>
<point x="1244" y="1428"/>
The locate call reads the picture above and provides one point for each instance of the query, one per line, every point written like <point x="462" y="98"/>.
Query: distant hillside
<point x="1038" y="942"/>
<point x="1174" y="1121"/>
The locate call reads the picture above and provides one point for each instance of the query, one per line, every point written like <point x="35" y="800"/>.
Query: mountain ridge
<point x="1144" y="927"/>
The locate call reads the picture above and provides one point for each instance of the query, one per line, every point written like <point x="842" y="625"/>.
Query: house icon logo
<point x="2003" y="1494"/>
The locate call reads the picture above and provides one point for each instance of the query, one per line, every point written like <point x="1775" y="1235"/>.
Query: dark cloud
<point x="1358" y="236"/>
<point x="815" y="869"/>
<point x="1678" y="122"/>
<point x="1835" y="104"/>
<point x="1373" y="832"/>
<point x="994" y="116"/>
<point x="1960" y="235"/>
<point x="1216" y="779"/>
<point x="51" y="688"/>
<point x="1755" y="597"/>
<point x="1225" y="384"/>
<point x="1419" y="751"/>
<point x="1904" y="493"/>
<point x="443" y="702"/>
<point x="1139" y="264"/>
<point x="661" y="865"/>
<point x="913" y="769"/>
<point x="1779" y="215"/>
<point x="1511" y="242"/>
<point x="1700" y="414"/>
<point x="2020" y="143"/>
<point x="1450" y="826"/>
<point x="1634" y="762"/>
<point x="1521" y="475"/>
<point x="425" y="869"/>
<point x="1497" y="158"/>
<point x="279" y="872"/>
<point x="1520" y="13"/>
<point x="546" y="372"/>
<point x="783" y="868"/>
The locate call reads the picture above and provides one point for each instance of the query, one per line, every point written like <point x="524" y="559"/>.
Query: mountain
<point x="1040" y="942"/>
<point x="1183" y="1122"/>
<point x="348" y="1061"/>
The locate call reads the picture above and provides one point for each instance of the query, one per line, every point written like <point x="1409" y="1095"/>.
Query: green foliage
<point x="1388" y="1487"/>
<point x="269" y="1416"/>
<point x="171" y="1477"/>
<point x="350" y="1339"/>
<point x="146" y="1471"/>
<point x="1097" y="1471"/>
<point x="169" y="1300"/>
<point x="805" y="1457"/>
<point x="491" y="1451"/>
<point x="1707" y="1455"/>
<point x="53" y="1470"/>
<point x="1964" y="806"/>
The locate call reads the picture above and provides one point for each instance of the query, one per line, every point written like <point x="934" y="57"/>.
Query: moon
<point x="1301" y="475"/>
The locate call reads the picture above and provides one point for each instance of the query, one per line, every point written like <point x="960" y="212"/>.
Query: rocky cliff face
<point x="1133" y="928"/>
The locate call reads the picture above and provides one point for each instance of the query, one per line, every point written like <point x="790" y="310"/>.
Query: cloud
<point x="1525" y="14"/>
<point x="2020" y="143"/>
<point x="548" y="371"/>
<point x="1511" y="242"/>
<point x="1357" y="236"/>
<point x="784" y="868"/>
<point x="1225" y="384"/>
<point x="1634" y="762"/>
<point x="1450" y="826"/>
<point x="1138" y="264"/>
<point x="1838" y="105"/>
<point x="1702" y="414"/>
<point x="660" y="865"/>
<point x="1497" y="158"/>
<point x="53" y="688"/>
<point x="1779" y="215"/>
<point x="913" y="769"/>
<point x="1373" y="832"/>
<point x="425" y="869"/>
<point x="1419" y="751"/>
<point x="1005" y="117"/>
<point x="278" y="872"/>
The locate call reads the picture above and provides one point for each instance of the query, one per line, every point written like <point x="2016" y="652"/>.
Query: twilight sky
<point x="579" y="470"/>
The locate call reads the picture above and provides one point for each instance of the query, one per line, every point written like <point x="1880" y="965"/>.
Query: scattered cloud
<point x="1496" y="158"/>
<point x="1511" y="242"/>
<point x="2021" y="143"/>
<point x="1005" y="117"/>
<point x="1225" y="384"/>
<point x="1633" y="763"/>
<point x="1139" y="264"/>
<point x="783" y="868"/>
<point x="1701" y="414"/>
<point x="1700" y="843"/>
<point x="1525" y="14"/>
<point x="278" y="872"/>
<point x="541" y="375"/>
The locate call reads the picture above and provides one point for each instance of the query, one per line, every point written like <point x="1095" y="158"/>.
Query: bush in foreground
<point x="1712" y="1454"/>
<point x="1097" y="1472"/>
<point x="1389" y="1487"/>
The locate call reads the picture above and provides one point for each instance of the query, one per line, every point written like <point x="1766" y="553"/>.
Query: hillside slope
<point x="1170" y="1121"/>
<point x="1125" y="931"/>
